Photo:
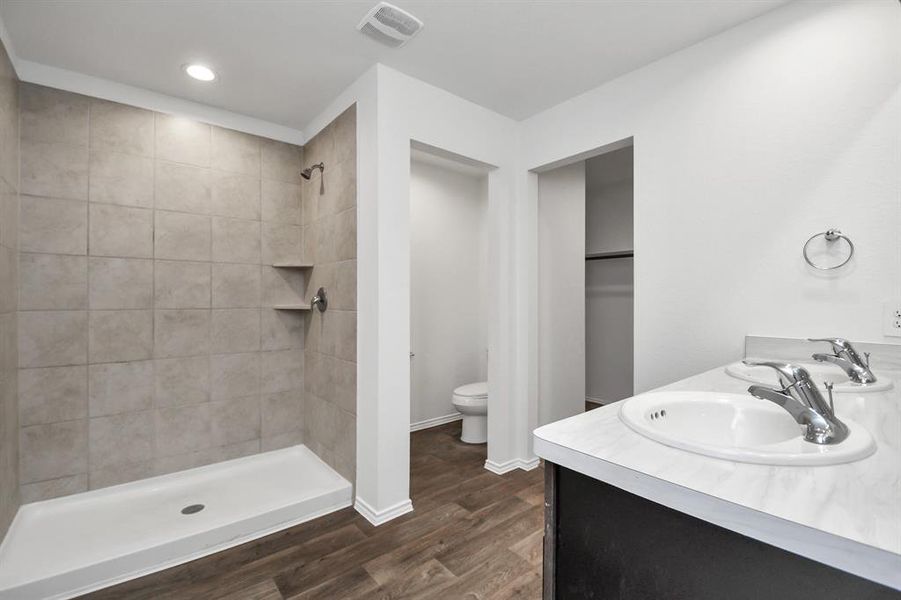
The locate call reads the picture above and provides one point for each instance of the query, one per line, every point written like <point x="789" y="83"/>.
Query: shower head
<point x="308" y="172"/>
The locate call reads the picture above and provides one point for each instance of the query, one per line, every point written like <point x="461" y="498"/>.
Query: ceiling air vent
<point x="390" y="25"/>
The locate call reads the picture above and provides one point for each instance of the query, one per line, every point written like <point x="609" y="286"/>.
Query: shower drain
<point x="192" y="508"/>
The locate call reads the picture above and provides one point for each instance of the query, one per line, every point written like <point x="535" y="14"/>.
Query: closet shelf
<point x="291" y="307"/>
<point x="292" y="265"/>
<point x="608" y="255"/>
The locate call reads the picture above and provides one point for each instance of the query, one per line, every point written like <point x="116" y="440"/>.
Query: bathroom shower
<point x="308" y="173"/>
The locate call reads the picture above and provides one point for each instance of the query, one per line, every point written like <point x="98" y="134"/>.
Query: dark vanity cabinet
<point x="605" y="543"/>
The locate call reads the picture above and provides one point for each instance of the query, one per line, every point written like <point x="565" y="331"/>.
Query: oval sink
<point x="819" y="372"/>
<point x="736" y="427"/>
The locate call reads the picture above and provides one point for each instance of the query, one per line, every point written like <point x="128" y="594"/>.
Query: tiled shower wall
<point x="330" y="241"/>
<point x="147" y="339"/>
<point x="9" y="215"/>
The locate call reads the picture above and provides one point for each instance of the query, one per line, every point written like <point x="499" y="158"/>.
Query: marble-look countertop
<point x="847" y="516"/>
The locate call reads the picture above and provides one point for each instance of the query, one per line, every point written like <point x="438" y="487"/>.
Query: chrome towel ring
<point x="830" y="235"/>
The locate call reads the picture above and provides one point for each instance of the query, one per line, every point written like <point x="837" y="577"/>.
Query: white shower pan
<point x="68" y="546"/>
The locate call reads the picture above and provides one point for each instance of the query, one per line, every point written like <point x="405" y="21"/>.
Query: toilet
<point x="471" y="400"/>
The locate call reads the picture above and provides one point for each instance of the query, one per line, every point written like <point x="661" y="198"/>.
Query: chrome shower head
<point x="308" y="172"/>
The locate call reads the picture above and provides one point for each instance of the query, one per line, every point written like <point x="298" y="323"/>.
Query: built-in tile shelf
<point x="291" y="307"/>
<point x="292" y="265"/>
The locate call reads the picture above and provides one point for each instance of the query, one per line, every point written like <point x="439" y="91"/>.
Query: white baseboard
<point x="379" y="517"/>
<point x="435" y="421"/>
<point x="510" y="465"/>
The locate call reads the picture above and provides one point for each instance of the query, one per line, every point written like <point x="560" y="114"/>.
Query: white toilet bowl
<point x="471" y="400"/>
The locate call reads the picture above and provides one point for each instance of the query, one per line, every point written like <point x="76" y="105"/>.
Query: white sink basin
<point x="736" y="427"/>
<point x="818" y="371"/>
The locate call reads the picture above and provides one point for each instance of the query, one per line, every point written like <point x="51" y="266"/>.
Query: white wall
<point x="561" y="293"/>
<point x="448" y="271"/>
<point x="393" y="110"/>
<point x="745" y="145"/>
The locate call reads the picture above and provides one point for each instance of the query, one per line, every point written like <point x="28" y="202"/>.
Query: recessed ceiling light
<point x="200" y="72"/>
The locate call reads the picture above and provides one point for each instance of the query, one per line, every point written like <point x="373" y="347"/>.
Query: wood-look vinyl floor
<point x="472" y="534"/>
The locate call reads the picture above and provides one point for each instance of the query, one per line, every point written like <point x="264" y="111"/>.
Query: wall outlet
<point x="891" y="319"/>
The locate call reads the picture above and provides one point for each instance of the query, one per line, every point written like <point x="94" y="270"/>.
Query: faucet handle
<point x="829" y="385"/>
<point x="838" y="344"/>
<point x="789" y="374"/>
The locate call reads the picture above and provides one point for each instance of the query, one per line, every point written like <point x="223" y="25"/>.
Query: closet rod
<point x="607" y="255"/>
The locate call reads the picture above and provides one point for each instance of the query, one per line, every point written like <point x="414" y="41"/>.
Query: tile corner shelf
<point x="291" y="307"/>
<point x="292" y="265"/>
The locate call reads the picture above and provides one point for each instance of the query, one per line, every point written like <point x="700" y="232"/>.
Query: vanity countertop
<point x="846" y="516"/>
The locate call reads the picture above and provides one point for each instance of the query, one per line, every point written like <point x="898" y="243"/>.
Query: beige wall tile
<point x="52" y="281"/>
<point x="183" y="188"/>
<point x="235" y="420"/>
<point x="180" y="284"/>
<point x="117" y="178"/>
<point x="120" y="387"/>
<point x="9" y="276"/>
<point x="54" y="169"/>
<point x="346" y="444"/>
<point x="281" y="243"/>
<point x="120" y="335"/>
<point x="181" y="381"/>
<point x="346" y="235"/>
<point x="281" y="412"/>
<point x="337" y="330"/>
<point x="345" y="187"/>
<point x="281" y="202"/>
<point x="344" y="381"/>
<point x="9" y="216"/>
<point x="345" y="136"/>
<point x="282" y="286"/>
<point x="117" y="440"/>
<point x="236" y="196"/>
<point x="53" y="450"/>
<point x="51" y="338"/>
<point x="181" y="333"/>
<point x="54" y="488"/>
<point x="234" y="375"/>
<point x="345" y="295"/>
<point x="281" y="161"/>
<point x="120" y="231"/>
<point x="53" y="226"/>
<point x="235" y="330"/>
<point x="282" y="440"/>
<point x="182" y="429"/>
<point x="182" y="236"/>
<point x="310" y="234"/>
<point x="197" y="458"/>
<point x="120" y="283"/>
<point x="51" y="115"/>
<point x="236" y="240"/>
<point x="100" y="478"/>
<point x="52" y="394"/>
<point x="182" y="140"/>
<point x="281" y="329"/>
<point x="235" y="152"/>
<point x="236" y="286"/>
<point x="119" y="128"/>
<point x="281" y="371"/>
<point x="325" y="239"/>
<point x="321" y="420"/>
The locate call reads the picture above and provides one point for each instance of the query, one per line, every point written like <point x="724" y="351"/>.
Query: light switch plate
<point x="891" y="319"/>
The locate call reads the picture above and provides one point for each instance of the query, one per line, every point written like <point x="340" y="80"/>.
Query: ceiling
<point x="284" y="60"/>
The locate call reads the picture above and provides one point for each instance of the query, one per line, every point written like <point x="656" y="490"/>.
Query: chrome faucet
<point x="845" y="356"/>
<point x="800" y="397"/>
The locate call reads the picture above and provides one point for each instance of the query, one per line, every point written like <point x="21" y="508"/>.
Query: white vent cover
<point x="390" y="25"/>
